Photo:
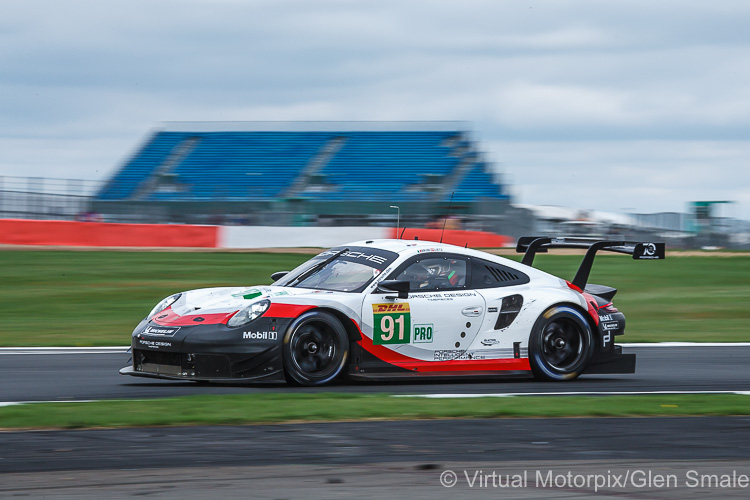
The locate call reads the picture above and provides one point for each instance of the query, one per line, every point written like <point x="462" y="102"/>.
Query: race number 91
<point x="392" y="323"/>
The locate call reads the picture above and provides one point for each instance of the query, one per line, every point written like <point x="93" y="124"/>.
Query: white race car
<point x="394" y="308"/>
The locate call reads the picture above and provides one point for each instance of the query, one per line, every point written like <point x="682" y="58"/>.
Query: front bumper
<point x="210" y="367"/>
<point x="209" y="352"/>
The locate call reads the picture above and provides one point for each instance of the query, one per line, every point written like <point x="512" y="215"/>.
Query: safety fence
<point x="104" y="234"/>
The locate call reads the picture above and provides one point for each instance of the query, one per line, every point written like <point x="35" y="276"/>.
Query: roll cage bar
<point x="532" y="245"/>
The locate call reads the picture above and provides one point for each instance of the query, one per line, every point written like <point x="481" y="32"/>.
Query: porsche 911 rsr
<point x="394" y="308"/>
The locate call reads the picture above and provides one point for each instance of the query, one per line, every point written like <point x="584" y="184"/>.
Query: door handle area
<point x="473" y="311"/>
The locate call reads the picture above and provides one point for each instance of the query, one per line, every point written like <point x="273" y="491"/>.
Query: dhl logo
<point x="390" y="308"/>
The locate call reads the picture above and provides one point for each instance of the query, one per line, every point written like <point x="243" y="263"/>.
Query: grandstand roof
<point x="316" y="126"/>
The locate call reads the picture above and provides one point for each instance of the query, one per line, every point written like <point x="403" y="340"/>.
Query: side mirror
<point x="278" y="275"/>
<point x="401" y="287"/>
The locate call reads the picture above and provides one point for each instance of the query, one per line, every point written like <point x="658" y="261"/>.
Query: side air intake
<point x="509" y="311"/>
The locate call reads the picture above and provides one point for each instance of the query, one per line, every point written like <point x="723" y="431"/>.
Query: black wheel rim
<point x="563" y="345"/>
<point x="314" y="349"/>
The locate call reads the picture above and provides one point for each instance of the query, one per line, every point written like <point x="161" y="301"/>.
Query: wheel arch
<point x="348" y="323"/>
<point x="594" y="327"/>
<point x="578" y="308"/>
<point x="573" y="305"/>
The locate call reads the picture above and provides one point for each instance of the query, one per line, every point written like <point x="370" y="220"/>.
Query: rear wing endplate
<point x="531" y="245"/>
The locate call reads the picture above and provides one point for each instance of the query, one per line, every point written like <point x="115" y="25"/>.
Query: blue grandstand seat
<point x="234" y="165"/>
<point x="478" y="184"/>
<point x="382" y="165"/>
<point x="140" y="167"/>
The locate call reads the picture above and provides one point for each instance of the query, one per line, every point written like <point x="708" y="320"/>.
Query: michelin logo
<point x="165" y="330"/>
<point x="260" y="335"/>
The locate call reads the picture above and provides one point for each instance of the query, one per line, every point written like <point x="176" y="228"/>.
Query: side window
<point x="435" y="273"/>
<point x="486" y="274"/>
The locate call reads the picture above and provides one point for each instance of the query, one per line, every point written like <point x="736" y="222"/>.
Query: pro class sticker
<point x="423" y="333"/>
<point x="392" y="323"/>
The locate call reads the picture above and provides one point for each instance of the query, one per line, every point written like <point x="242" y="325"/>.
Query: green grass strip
<point x="96" y="298"/>
<point x="285" y="408"/>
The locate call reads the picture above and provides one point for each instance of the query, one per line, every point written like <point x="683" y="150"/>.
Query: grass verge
<point x="96" y="298"/>
<point x="286" y="408"/>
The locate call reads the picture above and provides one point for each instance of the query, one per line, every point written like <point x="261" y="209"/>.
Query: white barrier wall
<point x="272" y="236"/>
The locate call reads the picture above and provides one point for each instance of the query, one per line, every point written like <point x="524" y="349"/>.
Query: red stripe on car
<point x="169" y="318"/>
<point x="591" y="302"/>
<point x="276" y="310"/>
<point x="453" y="365"/>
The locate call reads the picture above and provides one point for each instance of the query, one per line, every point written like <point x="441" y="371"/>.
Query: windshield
<point x="340" y="269"/>
<point x="341" y="276"/>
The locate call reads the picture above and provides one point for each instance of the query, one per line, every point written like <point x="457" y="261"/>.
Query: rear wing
<point x="531" y="245"/>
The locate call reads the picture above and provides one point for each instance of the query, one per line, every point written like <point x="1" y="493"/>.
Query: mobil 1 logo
<point x="423" y="334"/>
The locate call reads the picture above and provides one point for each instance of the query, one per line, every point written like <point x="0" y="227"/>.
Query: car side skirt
<point x="375" y="361"/>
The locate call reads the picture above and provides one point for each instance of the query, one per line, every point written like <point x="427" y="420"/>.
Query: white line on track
<point x="64" y="350"/>
<point x="16" y="403"/>
<point x="580" y="393"/>
<point x="461" y="396"/>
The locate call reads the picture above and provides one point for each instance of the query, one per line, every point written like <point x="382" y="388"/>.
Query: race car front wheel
<point x="561" y="344"/>
<point x="315" y="349"/>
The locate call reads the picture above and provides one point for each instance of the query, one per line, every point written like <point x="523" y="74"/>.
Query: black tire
<point x="561" y="344"/>
<point x="316" y="348"/>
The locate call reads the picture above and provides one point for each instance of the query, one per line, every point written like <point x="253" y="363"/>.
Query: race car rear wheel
<point x="561" y="344"/>
<point x="316" y="348"/>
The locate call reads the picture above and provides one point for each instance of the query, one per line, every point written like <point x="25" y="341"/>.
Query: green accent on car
<point x="249" y="294"/>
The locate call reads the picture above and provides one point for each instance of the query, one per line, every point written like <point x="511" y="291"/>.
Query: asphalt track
<point x="401" y="459"/>
<point x="78" y="376"/>
<point x="700" y="457"/>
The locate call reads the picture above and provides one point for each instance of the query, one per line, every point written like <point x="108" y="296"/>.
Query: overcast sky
<point x="609" y="105"/>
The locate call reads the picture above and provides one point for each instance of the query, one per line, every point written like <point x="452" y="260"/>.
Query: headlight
<point x="248" y="314"/>
<point x="164" y="304"/>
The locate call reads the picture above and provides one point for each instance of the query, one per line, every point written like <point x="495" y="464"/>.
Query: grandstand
<point x="304" y="172"/>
